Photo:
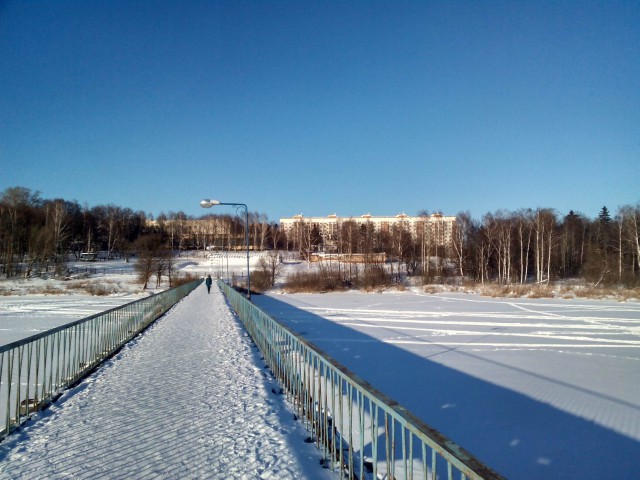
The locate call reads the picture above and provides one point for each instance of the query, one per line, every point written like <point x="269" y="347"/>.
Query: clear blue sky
<point x="323" y="107"/>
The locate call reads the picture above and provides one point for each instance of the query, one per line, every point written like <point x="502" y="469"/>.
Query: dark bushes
<point x="330" y="281"/>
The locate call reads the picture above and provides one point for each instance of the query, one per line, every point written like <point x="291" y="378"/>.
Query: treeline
<point x="506" y="247"/>
<point x="541" y="246"/>
<point x="39" y="235"/>
<point x="525" y="246"/>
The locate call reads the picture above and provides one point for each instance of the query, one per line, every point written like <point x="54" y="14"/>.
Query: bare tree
<point x="278" y="237"/>
<point x="620" y="242"/>
<point x="426" y="246"/>
<point x="462" y="231"/>
<point x="254" y="228"/>
<point x="631" y="221"/>
<point x="348" y="245"/>
<point x="524" y="229"/>
<point x="109" y="226"/>
<point x="37" y="253"/>
<point x="545" y="225"/>
<point x="499" y="234"/>
<point x="17" y="208"/>
<point x="148" y="247"/>
<point x="263" y="226"/>
<point x="271" y="265"/>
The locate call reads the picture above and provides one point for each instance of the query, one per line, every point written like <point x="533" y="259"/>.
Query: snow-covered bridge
<point x="190" y="398"/>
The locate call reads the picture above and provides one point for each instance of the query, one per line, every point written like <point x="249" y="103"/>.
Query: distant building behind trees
<point x="506" y="247"/>
<point x="330" y="229"/>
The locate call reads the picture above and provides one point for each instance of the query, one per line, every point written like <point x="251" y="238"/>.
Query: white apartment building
<point x="437" y="226"/>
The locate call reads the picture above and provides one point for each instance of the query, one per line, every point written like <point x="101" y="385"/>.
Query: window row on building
<point x="437" y="226"/>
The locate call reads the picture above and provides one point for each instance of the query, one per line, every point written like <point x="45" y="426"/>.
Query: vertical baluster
<point x="315" y="404"/>
<point x="361" y="426"/>
<point x="325" y="406"/>
<point x="434" y="465"/>
<point x="318" y="401"/>
<point x="42" y="361"/>
<point x="308" y="393"/>
<point x="28" y="379"/>
<point x="387" y="444"/>
<point x="404" y="451"/>
<point x="341" y="417"/>
<point x="393" y="447"/>
<point x="20" y="351"/>
<point x="410" y="455"/>
<point x="54" y="372"/>
<point x="334" y="435"/>
<point x="9" y="366"/>
<point x="425" y="465"/>
<point x="374" y="436"/>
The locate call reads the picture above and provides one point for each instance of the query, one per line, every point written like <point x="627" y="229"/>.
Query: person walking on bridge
<point x="208" y="283"/>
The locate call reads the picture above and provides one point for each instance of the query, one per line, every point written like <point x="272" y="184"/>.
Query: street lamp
<point x="240" y="207"/>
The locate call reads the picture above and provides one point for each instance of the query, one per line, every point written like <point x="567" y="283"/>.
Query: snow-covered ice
<point x="535" y="388"/>
<point x="24" y="315"/>
<point x="189" y="398"/>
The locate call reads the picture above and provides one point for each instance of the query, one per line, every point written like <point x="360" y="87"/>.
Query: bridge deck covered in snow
<point x="189" y="398"/>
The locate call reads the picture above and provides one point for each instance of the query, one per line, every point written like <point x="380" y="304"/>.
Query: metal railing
<point x="36" y="370"/>
<point x="362" y="432"/>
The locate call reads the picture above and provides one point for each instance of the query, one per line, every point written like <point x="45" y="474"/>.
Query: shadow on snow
<point x="514" y="434"/>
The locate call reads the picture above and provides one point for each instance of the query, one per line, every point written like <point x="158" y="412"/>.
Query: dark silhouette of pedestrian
<point x="208" y="283"/>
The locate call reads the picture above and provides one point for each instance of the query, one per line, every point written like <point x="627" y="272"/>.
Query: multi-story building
<point x="437" y="227"/>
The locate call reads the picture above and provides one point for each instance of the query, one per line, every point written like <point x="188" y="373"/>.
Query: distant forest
<point x="505" y="247"/>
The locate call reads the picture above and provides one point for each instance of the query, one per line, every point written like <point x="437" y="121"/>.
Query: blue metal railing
<point x="36" y="370"/>
<point x="363" y="433"/>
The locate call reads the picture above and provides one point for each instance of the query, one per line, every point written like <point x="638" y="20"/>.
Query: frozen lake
<point x="545" y="388"/>
<point x="26" y="315"/>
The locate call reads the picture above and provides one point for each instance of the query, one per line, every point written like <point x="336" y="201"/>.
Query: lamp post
<point x="207" y="203"/>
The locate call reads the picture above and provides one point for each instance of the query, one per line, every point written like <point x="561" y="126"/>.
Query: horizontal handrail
<point x="34" y="371"/>
<point x="362" y="432"/>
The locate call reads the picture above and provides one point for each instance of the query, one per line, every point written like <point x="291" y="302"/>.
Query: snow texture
<point x="535" y="388"/>
<point x="189" y="398"/>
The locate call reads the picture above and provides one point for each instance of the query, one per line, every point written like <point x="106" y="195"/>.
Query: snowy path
<point x="187" y="399"/>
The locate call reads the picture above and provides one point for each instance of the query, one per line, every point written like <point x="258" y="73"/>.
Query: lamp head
<point x="207" y="203"/>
